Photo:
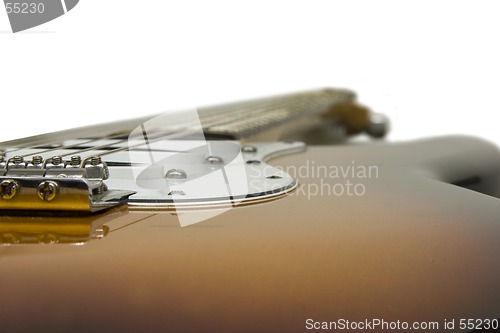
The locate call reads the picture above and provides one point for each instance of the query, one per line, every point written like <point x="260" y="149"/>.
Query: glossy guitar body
<point x="408" y="245"/>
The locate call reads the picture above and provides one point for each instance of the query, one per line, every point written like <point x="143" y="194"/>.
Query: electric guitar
<point x="258" y="216"/>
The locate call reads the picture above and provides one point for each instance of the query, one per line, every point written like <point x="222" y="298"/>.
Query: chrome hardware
<point x="214" y="160"/>
<point x="249" y="149"/>
<point x="176" y="174"/>
<point x="8" y="189"/>
<point x="36" y="162"/>
<point x="95" y="167"/>
<point x="95" y="160"/>
<point x="3" y="165"/>
<point x="54" y="162"/>
<point x="47" y="190"/>
<point x="16" y="162"/>
<point x="55" y="184"/>
<point x="75" y="161"/>
<point x="237" y="178"/>
<point x="378" y="125"/>
<point x="57" y="160"/>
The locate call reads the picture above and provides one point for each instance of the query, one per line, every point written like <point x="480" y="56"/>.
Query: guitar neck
<point x="247" y="120"/>
<point x="253" y="118"/>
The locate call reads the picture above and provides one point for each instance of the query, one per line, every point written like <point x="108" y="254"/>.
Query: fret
<point x="249" y="118"/>
<point x="237" y="120"/>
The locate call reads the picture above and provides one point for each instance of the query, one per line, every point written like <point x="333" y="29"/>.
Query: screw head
<point x="8" y="189"/>
<point x="18" y="159"/>
<point x="176" y="174"/>
<point x="35" y="160"/>
<point x="75" y="161"/>
<point x="47" y="190"/>
<point x="95" y="160"/>
<point x="214" y="160"/>
<point x="56" y="160"/>
<point x="249" y="149"/>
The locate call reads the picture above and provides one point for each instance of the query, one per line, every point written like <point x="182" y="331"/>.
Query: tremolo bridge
<point x="55" y="184"/>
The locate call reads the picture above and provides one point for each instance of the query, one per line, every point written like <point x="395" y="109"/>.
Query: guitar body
<point x="372" y="231"/>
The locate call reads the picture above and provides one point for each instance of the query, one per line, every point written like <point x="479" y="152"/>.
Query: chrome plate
<point x="201" y="173"/>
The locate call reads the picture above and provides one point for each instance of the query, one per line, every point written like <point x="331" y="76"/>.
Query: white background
<point x="432" y="66"/>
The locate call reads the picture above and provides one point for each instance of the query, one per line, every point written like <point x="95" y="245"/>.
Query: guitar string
<point x="213" y="114"/>
<point x="149" y="140"/>
<point x="56" y="148"/>
<point x="64" y="147"/>
<point x="213" y="117"/>
<point x="108" y="145"/>
<point x="56" y="145"/>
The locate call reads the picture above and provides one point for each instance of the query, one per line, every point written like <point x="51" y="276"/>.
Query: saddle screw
<point x="99" y="189"/>
<point x="47" y="190"/>
<point x="95" y="160"/>
<point x="56" y="160"/>
<point x="75" y="161"/>
<point x="8" y="189"/>
<point x="36" y="160"/>
<point x="18" y="159"/>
